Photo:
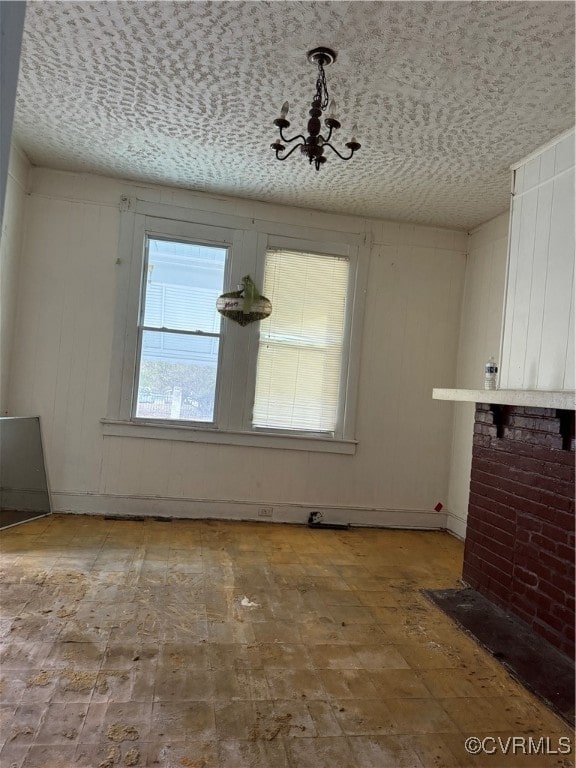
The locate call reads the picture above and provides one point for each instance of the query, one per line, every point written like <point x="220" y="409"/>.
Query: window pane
<point x="182" y="285"/>
<point x="177" y="377"/>
<point x="301" y="343"/>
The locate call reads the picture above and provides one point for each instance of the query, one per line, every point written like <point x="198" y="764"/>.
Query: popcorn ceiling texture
<point x="446" y="96"/>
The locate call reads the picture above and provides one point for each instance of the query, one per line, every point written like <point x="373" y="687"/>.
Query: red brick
<point x="526" y="486"/>
<point x="485" y="430"/>
<point x="556" y="456"/>
<point x="530" y="507"/>
<point x="493" y="468"/>
<point x="522" y="463"/>
<point x="522" y="594"/>
<point x="532" y="437"/>
<point x="565" y="583"/>
<point x="502" y="541"/>
<point x="529" y="522"/>
<point x="527" y="616"/>
<point x="549" y="560"/>
<point x="566" y="614"/>
<point x="493" y="511"/>
<point x="555" y="485"/>
<point x="477" y="538"/>
<point x="556" y="501"/>
<point x="493" y="560"/>
<point x="564" y="472"/>
<point x="562" y="519"/>
<point x="554" y="622"/>
<point x="487" y="492"/>
<point x="531" y="411"/>
<point x="484" y="417"/>
<point x="480" y="440"/>
<point x="473" y="566"/>
<point x="525" y="576"/>
<point x="527" y="553"/>
<point x="507" y="483"/>
<point x="565" y="552"/>
<point x="552" y="593"/>
<point x="496" y="592"/>
<point x="525" y="536"/>
<point x="556" y="533"/>
<point x="550" y="455"/>
<point x="471" y="575"/>
<point x="543" y="543"/>
<point x="505" y="523"/>
<point x="535" y="423"/>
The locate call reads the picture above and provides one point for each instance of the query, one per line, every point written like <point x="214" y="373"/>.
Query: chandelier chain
<point x="322" y="87"/>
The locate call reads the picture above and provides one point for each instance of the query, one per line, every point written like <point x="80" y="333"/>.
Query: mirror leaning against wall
<point x="24" y="493"/>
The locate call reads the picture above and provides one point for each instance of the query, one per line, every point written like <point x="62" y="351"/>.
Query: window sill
<point x="150" y="430"/>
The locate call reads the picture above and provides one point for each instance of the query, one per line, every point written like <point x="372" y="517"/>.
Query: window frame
<point x="320" y="248"/>
<point x="247" y="241"/>
<point x="141" y="328"/>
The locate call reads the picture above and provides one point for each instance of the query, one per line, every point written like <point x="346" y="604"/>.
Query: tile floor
<point x="232" y="645"/>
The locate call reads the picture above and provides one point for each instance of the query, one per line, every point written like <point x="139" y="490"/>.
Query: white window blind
<point x="300" y="354"/>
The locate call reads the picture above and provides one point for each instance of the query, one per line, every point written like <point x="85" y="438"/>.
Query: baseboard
<point x="456" y="526"/>
<point x="194" y="509"/>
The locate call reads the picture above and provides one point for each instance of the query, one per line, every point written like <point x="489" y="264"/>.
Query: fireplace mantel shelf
<point x="563" y="399"/>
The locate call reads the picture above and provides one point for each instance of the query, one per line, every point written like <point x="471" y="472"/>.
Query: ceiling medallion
<point x="314" y="144"/>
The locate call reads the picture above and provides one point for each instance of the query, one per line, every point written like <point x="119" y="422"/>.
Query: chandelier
<point x="314" y="144"/>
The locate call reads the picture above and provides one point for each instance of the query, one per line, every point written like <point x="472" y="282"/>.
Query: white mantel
<point x="564" y="399"/>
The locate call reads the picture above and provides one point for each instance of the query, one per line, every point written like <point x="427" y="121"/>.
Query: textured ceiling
<point x="446" y="96"/>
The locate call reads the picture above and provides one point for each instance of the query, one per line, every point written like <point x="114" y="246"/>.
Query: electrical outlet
<point x="265" y="512"/>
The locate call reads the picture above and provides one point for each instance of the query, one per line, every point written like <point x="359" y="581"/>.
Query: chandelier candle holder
<point x="314" y="144"/>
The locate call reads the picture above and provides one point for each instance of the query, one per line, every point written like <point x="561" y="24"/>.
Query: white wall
<point x="538" y="337"/>
<point x="62" y="357"/>
<point x="10" y="245"/>
<point x="480" y="329"/>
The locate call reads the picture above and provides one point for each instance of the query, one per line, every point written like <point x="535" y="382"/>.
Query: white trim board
<point x="203" y="509"/>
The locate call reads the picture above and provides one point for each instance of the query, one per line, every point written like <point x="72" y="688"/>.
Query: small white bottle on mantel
<point x="490" y="374"/>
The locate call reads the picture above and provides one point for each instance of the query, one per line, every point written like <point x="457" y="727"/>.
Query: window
<point x="181" y="371"/>
<point x="301" y="349"/>
<point x="179" y="331"/>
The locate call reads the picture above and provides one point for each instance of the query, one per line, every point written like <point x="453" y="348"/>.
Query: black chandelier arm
<point x="294" y="148"/>
<point x="289" y="141"/>
<point x="352" y="150"/>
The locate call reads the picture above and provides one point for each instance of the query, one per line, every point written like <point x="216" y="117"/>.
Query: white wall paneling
<point x="61" y="367"/>
<point x="538" y="332"/>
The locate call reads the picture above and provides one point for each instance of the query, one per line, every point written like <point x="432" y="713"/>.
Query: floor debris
<point x="118" y="732"/>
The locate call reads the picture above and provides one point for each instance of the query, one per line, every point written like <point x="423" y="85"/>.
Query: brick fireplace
<point x="519" y="549"/>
